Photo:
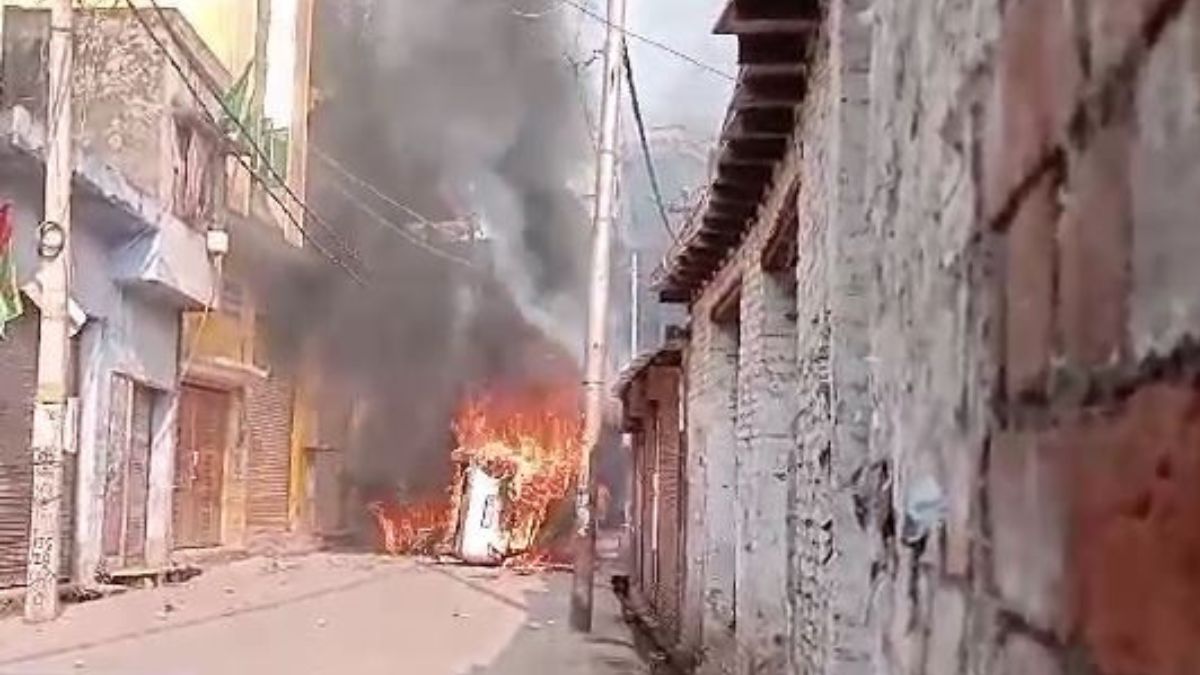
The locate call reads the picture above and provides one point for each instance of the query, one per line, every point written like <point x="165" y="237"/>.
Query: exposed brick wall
<point x="765" y="451"/>
<point x="812" y="543"/>
<point x="712" y="408"/>
<point x="696" y="534"/>
<point x="931" y="312"/>
<point x="742" y="410"/>
<point x="1028" y="162"/>
<point x="993" y="422"/>
<point x="854" y="479"/>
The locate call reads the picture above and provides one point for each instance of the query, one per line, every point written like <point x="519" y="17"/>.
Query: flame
<point x="528" y="438"/>
<point x="532" y="440"/>
<point x="419" y="527"/>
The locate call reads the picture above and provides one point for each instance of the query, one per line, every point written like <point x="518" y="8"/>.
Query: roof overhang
<point x="774" y="43"/>
<point x="158" y="253"/>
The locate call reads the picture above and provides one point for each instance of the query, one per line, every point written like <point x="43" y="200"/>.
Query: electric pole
<point x="54" y="277"/>
<point x="595" y="391"/>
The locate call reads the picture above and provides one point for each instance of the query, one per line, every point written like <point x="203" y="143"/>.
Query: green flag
<point x="10" y="295"/>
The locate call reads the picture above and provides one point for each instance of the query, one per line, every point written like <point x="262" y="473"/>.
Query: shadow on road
<point x="611" y="649"/>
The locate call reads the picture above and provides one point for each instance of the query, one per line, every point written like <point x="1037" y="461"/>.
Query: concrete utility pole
<point x="595" y="391"/>
<point x="54" y="276"/>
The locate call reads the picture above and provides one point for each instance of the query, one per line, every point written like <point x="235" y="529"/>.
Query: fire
<point x="419" y="527"/>
<point x="529" y="440"/>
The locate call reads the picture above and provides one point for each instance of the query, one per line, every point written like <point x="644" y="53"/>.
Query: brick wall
<point x="1029" y="166"/>
<point x="990" y="445"/>
<point x="711" y="412"/>
<point x="742" y="409"/>
<point x="765" y="452"/>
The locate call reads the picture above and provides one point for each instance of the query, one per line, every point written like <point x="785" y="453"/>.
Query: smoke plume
<point x="453" y="109"/>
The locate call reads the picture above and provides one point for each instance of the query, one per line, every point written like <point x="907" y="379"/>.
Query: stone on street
<point x="328" y="613"/>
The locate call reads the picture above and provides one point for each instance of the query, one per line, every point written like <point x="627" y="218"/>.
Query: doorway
<point x="204" y="419"/>
<point x="127" y="473"/>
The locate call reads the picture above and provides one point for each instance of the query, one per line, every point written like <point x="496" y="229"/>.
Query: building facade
<point x="183" y="432"/>
<point x="938" y="390"/>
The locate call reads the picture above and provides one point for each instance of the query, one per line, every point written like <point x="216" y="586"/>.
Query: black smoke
<point x="454" y="110"/>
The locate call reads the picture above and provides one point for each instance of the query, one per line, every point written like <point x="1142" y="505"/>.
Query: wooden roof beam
<point x="772" y="50"/>
<point x="769" y="16"/>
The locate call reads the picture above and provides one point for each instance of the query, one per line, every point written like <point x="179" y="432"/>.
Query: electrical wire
<point x="649" y="41"/>
<point x="191" y="87"/>
<point x="404" y="232"/>
<point x="362" y="182"/>
<point x="651" y="171"/>
<point x="260" y="155"/>
<point x="399" y="229"/>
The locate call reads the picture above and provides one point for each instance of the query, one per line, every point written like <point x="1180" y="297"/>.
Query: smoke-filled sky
<point x="456" y="107"/>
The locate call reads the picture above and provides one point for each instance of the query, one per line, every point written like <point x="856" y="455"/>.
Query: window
<point x="489" y="512"/>
<point x="197" y="168"/>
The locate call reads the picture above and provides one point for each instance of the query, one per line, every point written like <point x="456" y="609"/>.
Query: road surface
<point x="329" y="614"/>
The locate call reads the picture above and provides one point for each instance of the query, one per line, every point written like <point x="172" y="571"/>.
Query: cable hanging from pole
<point x="651" y="171"/>
<point x="661" y="46"/>
<point x="260" y="155"/>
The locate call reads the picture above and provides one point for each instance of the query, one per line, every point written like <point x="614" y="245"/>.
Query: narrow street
<point x="329" y="613"/>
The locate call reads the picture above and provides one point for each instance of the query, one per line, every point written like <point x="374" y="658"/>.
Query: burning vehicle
<point x="509" y="499"/>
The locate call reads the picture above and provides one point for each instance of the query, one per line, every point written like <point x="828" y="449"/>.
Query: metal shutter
<point x="649" y="508"/>
<point x="668" y="516"/>
<point x="18" y="384"/>
<point x="269" y="422"/>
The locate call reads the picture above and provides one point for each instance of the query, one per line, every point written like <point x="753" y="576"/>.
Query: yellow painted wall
<point x="227" y="26"/>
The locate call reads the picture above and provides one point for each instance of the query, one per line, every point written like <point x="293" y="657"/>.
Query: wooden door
<point x="127" y="475"/>
<point x="200" y="466"/>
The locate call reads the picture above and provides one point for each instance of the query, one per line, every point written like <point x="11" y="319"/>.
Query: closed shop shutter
<point x="668" y="528"/>
<point x="649" y="522"/>
<point x="669" y="509"/>
<point x="269" y="422"/>
<point x="18" y="384"/>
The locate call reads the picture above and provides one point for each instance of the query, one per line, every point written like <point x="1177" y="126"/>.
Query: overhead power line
<point x="662" y="46"/>
<point x="412" y="238"/>
<point x="337" y="166"/>
<point x="363" y="183"/>
<point x="651" y="172"/>
<point x="192" y="89"/>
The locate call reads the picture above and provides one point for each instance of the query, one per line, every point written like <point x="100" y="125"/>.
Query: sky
<point x="672" y="91"/>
